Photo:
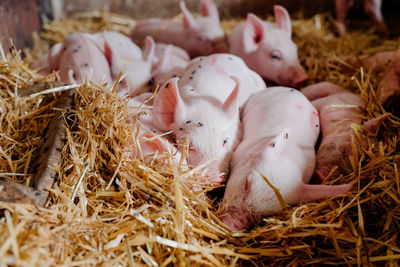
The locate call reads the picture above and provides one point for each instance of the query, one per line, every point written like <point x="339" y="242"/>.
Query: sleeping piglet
<point x="124" y="56"/>
<point x="267" y="48"/>
<point x="211" y="76"/>
<point x="280" y="129"/>
<point x="338" y="109"/>
<point x="79" y="59"/>
<point x="149" y="137"/>
<point x="211" y="126"/>
<point x="101" y="55"/>
<point x="198" y="36"/>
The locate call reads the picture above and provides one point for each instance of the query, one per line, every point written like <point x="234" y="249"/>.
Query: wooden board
<point x="19" y="19"/>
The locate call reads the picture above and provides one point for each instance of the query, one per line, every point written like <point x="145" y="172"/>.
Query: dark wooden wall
<point x="19" y="18"/>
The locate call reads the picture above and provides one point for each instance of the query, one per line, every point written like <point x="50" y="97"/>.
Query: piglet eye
<point x="276" y="55"/>
<point x="225" y="142"/>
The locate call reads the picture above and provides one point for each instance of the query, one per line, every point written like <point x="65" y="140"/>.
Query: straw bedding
<point x="107" y="208"/>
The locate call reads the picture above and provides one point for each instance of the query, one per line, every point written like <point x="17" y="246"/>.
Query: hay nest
<point x="107" y="208"/>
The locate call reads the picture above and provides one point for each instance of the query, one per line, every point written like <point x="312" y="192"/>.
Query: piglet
<point x="267" y="48"/>
<point x="79" y="59"/>
<point x="126" y="57"/>
<point x="376" y="63"/>
<point x="280" y="129"/>
<point x="211" y="76"/>
<point x="371" y="7"/>
<point x="198" y="36"/>
<point x="150" y="139"/>
<point x="170" y="62"/>
<point x="389" y="87"/>
<point x="338" y="109"/>
<point x="211" y="126"/>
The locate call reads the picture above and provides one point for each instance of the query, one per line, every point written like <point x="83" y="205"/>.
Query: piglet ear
<point x="283" y="19"/>
<point x="149" y="49"/>
<point x="373" y="125"/>
<point x="209" y="9"/>
<point x="253" y="33"/>
<point x="231" y="103"/>
<point x="167" y="104"/>
<point x="55" y="54"/>
<point x="70" y="77"/>
<point x="165" y="60"/>
<point x="188" y="20"/>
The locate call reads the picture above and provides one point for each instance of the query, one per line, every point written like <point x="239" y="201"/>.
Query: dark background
<point x="20" y="17"/>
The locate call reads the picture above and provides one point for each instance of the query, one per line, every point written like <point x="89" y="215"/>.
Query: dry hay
<point x="106" y="208"/>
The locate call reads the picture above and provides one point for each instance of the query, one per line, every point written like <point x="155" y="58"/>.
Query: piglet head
<point x="211" y="127"/>
<point x="206" y="29"/>
<point x="274" y="45"/>
<point x="248" y="197"/>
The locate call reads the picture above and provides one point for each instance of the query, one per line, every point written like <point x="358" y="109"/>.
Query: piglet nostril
<point x="236" y="220"/>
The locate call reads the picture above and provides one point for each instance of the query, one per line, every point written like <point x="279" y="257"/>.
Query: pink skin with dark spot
<point x="338" y="108"/>
<point x="211" y="76"/>
<point x="198" y="36"/>
<point x="278" y="142"/>
<point x="211" y="126"/>
<point x="267" y="48"/>
<point x="81" y="59"/>
<point x="376" y="63"/>
<point x="371" y="7"/>
<point x="105" y="54"/>
<point x="390" y="83"/>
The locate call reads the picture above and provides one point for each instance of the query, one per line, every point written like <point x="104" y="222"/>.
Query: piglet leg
<point x="373" y="9"/>
<point x="342" y="7"/>
<point x="312" y="192"/>
<point x="321" y="89"/>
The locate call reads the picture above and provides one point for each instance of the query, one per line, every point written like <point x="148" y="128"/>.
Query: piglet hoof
<point x="235" y="222"/>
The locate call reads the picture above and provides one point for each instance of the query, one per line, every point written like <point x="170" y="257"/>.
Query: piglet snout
<point x="214" y="175"/>
<point x="300" y="79"/>
<point x="236" y="218"/>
